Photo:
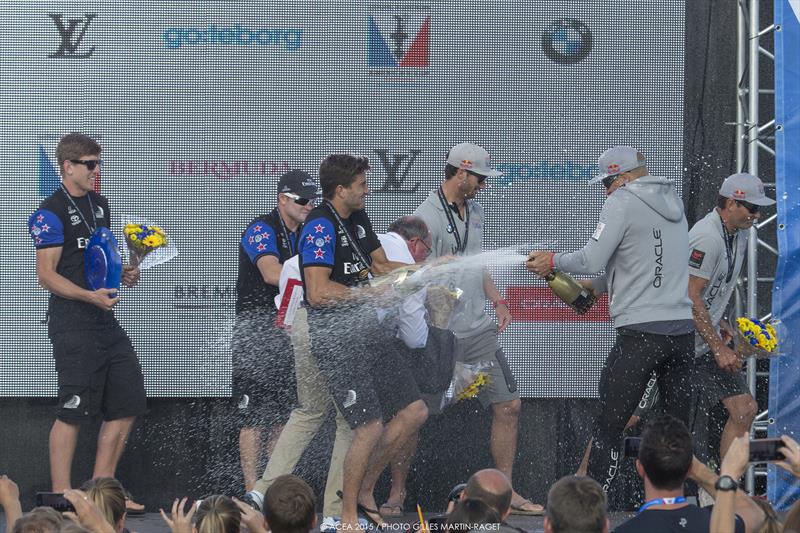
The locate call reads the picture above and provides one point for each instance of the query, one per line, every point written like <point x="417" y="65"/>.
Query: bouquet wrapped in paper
<point x="469" y="379"/>
<point x="146" y="244"/>
<point x="755" y="338"/>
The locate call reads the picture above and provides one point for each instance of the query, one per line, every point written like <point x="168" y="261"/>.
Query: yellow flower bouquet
<point x="469" y="380"/>
<point x="146" y="244"/>
<point x="755" y="338"/>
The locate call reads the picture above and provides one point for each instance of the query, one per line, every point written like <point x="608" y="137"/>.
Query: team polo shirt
<point x="263" y="236"/>
<point x="57" y="223"/>
<point x="709" y="259"/>
<point x="470" y="313"/>
<point x="323" y="242"/>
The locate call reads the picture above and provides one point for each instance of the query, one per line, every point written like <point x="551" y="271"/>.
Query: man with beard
<point x="338" y="251"/>
<point x="455" y="220"/>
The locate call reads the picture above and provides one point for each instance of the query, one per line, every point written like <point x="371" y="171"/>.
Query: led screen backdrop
<point x="200" y="106"/>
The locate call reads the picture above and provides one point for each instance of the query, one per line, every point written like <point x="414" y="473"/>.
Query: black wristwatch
<point x="726" y="483"/>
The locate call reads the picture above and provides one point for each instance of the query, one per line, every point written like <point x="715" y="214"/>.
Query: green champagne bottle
<point x="570" y="291"/>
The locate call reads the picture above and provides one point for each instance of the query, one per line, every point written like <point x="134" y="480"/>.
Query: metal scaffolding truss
<point x="754" y="137"/>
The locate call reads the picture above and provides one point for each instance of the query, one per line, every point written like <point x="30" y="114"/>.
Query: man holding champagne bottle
<point x="641" y="242"/>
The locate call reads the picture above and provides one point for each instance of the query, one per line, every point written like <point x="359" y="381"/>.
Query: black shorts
<point x="98" y="372"/>
<point x="263" y="377"/>
<point x="364" y="365"/>
<point x="718" y="384"/>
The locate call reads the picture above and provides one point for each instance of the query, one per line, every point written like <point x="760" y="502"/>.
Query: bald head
<point x="492" y="487"/>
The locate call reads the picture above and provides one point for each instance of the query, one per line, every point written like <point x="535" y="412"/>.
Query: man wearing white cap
<point x="642" y="244"/>
<point x="456" y="222"/>
<point x="718" y="250"/>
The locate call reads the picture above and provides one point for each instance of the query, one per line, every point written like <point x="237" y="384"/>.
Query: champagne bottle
<point x="570" y="291"/>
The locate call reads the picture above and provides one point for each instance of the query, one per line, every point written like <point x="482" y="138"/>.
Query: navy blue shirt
<point x="688" y="519"/>
<point x="57" y="223"/>
<point x="323" y="242"/>
<point x="263" y="236"/>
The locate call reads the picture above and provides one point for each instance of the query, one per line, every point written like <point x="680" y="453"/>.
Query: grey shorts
<point x="717" y="383"/>
<point x="482" y="345"/>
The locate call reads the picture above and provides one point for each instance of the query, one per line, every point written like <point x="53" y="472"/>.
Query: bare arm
<point x="726" y="358"/>
<point x="494" y="295"/>
<point x="270" y="269"/>
<point x="381" y="264"/>
<point x="321" y="290"/>
<point x="46" y="262"/>
<point x="743" y="505"/>
<point x="9" y="501"/>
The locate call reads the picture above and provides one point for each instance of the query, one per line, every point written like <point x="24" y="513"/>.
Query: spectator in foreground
<point x="576" y="505"/>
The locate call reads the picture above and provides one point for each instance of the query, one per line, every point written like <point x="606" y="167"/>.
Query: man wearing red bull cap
<point x="641" y="242"/>
<point x="717" y="252"/>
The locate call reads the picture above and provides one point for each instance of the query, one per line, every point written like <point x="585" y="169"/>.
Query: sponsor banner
<point x="539" y="304"/>
<point x="784" y="380"/>
<point x="201" y="111"/>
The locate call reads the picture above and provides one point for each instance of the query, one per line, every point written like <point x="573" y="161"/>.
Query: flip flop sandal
<point x="390" y="510"/>
<point x="519" y="509"/>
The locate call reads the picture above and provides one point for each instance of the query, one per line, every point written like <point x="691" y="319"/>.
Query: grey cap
<point x="616" y="160"/>
<point x="299" y="183"/>
<point x="745" y="187"/>
<point x="473" y="158"/>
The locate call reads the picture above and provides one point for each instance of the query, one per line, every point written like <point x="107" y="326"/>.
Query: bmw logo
<point x="567" y="41"/>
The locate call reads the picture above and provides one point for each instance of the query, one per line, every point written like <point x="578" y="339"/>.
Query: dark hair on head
<point x="576" y="504"/>
<point x="409" y="227"/>
<point x="289" y="505"/>
<point x="450" y="171"/>
<point x="722" y="201"/>
<point x="109" y="495"/>
<point x="500" y="502"/>
<point x="471" y="513"/>
<point x="340" y="169"/>
<point x="39" y="520"/>
<point x="75" y="146"/>
<point x="218" y="514"/>
<point x="666" y="452"/>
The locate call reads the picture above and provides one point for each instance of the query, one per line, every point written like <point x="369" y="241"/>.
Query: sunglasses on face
<point x="90" y="163"/>
<point x="608" y="181"/>
<point x="299" y="200"/>
<point x="751" y="208"/>
<point x="481" y="177"/>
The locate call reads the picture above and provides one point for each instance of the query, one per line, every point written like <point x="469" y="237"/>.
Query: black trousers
<point x="631" y="361"/>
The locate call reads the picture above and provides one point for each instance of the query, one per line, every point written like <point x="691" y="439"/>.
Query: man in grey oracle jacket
<point x="642" y="244"/>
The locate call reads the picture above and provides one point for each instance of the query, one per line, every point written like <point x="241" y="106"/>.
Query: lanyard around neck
<point x="461" y="246"/>
<point x="285" y="233"/>
<point x="85" y="220"/>
<point x="662" y="501"/>
<point x="356" y="247"/>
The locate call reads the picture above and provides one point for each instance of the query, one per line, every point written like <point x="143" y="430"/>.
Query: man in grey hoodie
<point x="642" y="244"/>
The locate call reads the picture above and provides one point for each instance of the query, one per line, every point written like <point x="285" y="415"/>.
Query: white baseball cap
<point x="745" y="187"/>
<point x="473" y="158"/>
<point x="616" y="160"/>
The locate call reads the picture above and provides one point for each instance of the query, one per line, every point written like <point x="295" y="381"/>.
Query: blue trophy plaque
<point x="102" y="262"/>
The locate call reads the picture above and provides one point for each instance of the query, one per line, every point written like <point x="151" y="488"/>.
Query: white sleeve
<point x="412" y="328"/>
